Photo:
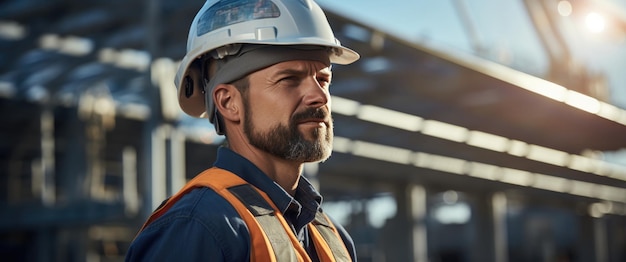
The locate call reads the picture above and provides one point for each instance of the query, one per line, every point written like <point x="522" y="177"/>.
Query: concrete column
<point x="418" y="206"/>
<point x="48" y="188"/>
<point x="488" y="225"/>
<point x="403" y="238"/>
<point x="129" y="186"/>
<point x="178" y="178"/>
<point x="156" y="184"/>
<point x="600" y="240"/>
<point x="500" y="234"/>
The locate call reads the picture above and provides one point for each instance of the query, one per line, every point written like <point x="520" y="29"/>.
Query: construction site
<point x="440" y="154"/>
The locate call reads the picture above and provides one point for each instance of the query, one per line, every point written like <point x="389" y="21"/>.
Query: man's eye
<point x="324" y="81"/>
<point x="290" y="80"/>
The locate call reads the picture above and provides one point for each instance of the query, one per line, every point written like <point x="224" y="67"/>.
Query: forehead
<point x="303" y="66"/>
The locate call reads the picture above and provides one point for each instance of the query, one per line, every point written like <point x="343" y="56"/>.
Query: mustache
<point x="317" y="113"/>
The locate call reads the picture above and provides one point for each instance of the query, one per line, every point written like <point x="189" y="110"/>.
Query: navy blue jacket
<point x="203" y="226"/>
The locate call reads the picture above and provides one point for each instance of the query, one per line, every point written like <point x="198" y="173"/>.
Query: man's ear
<point x="227" y="100"/>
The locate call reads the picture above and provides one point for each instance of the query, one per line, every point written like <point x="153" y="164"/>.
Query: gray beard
<point x="288" y="143"/>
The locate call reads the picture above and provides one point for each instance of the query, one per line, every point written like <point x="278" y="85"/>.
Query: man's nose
<point x="316" y="95"/>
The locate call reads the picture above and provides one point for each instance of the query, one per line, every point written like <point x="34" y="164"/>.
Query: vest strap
<point x="265" y="216"/>
<point x="322" y="226"/>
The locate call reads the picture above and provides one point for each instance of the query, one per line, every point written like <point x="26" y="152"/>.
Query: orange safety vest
<point x="272" y="238"/>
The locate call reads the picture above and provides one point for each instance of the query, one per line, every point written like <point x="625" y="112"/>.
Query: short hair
<point x="242" y="85"/>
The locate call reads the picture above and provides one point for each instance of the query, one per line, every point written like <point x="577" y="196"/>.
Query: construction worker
<point x="260" y="71"/>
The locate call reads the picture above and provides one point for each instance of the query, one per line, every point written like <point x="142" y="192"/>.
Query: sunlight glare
<point x="595" y="22"/>
<point x="565" y="8"/>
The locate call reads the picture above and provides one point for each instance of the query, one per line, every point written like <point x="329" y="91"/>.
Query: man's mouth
<point x="317" y="117"/>
<point x="314" y="121"/>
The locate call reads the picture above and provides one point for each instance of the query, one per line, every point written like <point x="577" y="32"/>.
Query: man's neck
<point x="285" y="173"/>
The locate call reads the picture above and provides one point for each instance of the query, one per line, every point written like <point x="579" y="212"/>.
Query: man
<point x="260" y="71"/>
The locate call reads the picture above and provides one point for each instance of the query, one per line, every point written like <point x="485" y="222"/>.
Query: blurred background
<point x="482" y="130"/>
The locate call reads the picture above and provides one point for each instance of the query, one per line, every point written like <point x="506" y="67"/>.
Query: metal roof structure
<point x="404" y="112"/>
<point x="400" y="94"/>
<point x="445" y="105"/>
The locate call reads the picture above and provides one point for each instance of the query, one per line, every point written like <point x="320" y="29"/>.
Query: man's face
<point x="287" y="111"/>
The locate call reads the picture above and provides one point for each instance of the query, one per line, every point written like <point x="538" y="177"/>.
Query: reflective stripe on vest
<point x="271" y="236"/>
<point x="264" y="215"/>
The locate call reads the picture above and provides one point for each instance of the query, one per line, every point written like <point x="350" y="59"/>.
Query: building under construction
<point x="439" y="155"/>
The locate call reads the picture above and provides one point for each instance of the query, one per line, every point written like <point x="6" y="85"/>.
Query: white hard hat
<point x="222" y="23"/>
